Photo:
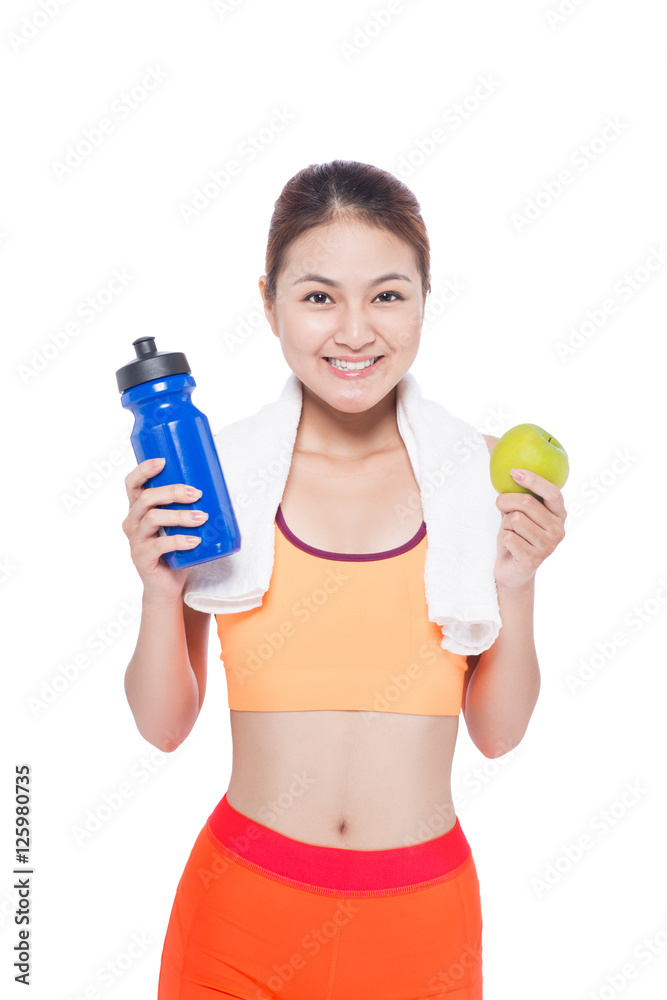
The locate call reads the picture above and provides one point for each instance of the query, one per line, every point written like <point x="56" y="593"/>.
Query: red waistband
<point x="337" y="868"/>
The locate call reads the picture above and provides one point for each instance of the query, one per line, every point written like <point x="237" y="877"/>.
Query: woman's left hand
<point x="530" y="530"/>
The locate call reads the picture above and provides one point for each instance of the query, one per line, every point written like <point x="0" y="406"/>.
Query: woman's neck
<point x="324" y="429"/>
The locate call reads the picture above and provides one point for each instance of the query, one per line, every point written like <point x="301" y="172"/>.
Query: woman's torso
<point x="330" y="777"/>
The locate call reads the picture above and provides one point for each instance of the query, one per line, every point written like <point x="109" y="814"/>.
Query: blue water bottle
<point x="157" y="387"/>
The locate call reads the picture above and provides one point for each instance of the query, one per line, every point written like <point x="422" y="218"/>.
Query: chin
<point x="347" y="396"/>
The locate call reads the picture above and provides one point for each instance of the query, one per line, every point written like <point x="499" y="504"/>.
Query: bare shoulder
<point x="490" y="441"/>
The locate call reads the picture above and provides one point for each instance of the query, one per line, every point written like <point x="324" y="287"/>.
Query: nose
<point x="356" y="331"/>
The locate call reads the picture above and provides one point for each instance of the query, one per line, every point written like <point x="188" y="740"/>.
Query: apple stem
<point x="548" y="439"/>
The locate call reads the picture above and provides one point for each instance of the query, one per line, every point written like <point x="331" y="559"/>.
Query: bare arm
<point x="502" y="683"/>
<point x="165" y="680"/>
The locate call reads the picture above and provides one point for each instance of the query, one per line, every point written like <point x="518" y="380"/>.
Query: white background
<point x="360" y="92"/>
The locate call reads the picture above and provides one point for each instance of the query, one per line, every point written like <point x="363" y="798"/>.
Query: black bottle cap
<point x="150" y="364"/>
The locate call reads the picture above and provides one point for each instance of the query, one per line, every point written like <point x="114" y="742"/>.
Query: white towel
<point x="450" y="460"/>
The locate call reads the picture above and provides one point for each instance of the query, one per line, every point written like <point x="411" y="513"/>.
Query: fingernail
<point x="517" y="474"/>
<point x="158" y="461"/>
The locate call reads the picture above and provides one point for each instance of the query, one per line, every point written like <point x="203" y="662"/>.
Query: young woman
<point x="319" y="875"/>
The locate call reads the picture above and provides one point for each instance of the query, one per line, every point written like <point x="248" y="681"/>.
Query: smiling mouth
<point x="353" y="366"/>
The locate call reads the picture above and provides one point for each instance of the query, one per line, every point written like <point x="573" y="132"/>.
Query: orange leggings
<point x="259" y="916"/>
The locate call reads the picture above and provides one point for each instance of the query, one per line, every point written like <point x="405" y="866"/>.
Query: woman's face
<point x="353" y="292"/>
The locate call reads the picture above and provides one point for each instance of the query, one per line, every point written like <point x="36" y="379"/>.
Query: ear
<point x="269" y="311"/>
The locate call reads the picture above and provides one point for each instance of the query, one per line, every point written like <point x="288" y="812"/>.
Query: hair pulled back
<point x="323" y="193"/>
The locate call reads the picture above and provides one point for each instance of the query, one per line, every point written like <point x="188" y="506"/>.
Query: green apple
<point x="527" y="446"/>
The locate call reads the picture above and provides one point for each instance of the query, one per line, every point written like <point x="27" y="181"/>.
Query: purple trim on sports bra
<point x="348" y="556"/>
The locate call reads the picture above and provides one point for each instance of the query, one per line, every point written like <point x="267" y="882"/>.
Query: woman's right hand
<point x="141" y="525"/>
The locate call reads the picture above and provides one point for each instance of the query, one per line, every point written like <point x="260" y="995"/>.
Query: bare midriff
<point x="354" y="779"/>
<point x="365" y="781"/>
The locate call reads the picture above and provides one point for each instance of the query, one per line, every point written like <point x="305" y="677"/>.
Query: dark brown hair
<point x="322" y="193"/>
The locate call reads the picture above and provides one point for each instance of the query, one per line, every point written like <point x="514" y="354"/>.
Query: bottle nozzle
<point x="144" y="347"/>
<point x="150" y="364"/>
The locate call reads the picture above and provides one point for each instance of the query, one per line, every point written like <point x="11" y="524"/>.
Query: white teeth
<point x="351" y="365"/>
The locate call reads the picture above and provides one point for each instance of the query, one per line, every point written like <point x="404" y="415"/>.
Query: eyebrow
<point x="391" y="276"/>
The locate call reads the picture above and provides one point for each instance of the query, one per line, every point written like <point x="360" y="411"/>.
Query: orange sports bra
<point x="341" y="631"/>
